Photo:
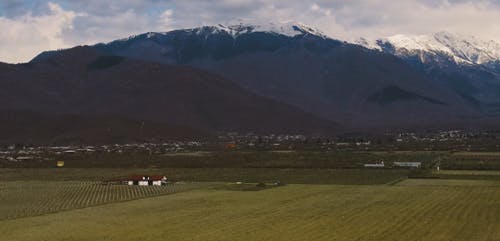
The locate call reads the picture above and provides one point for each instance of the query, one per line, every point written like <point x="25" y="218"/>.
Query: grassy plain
<point x="286" y="175"/>
<point x="470" y="153"/>
<point x="327" y="196"/>
<point x="31" y="198"/>
<point x="471" y="161"/>
<point x="291" y="212"/>
<point x="35" y="191"/>
<point x="449" y="182"/>
<point x="229" y="159"/>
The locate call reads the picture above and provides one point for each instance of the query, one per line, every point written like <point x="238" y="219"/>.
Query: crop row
<point x="30" y="198"/>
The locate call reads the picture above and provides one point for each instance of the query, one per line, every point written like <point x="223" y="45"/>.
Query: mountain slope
<point x="28" y="128"/>
<point x="84" y="81"/>
<point x="467" y="65"/>
<point x="300" y="66"/>
<point x="461" y="49"/>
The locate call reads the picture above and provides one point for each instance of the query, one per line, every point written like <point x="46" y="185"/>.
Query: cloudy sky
<point x="31" y="26"/>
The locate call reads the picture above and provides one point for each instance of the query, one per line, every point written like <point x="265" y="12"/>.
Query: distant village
<point x="452" y="140"/>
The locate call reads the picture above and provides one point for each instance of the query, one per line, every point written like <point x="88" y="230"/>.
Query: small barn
<point x="146" y="180"/>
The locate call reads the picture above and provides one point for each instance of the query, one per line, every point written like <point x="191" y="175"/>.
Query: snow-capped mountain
<point x="216" y="41"/>
<point x="300" y="66"/>
<point x="289" y="29"/>
<point x="470" y="66"/>
<point x="459" y="49"/>
<point x="441" y="77"/>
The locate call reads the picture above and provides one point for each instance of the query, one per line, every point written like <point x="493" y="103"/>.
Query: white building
<point x="145" y="180"/>
<point x="407" y="164"/>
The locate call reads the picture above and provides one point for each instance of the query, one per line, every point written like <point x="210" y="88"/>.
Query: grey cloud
<point x="12" y="8"/>
<point x="101" y="21"/>
<point x="112" y="7"/>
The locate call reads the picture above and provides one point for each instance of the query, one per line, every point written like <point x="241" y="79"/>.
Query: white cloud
<point x="166" y="19"/>
<point x="316" y="8"/>
<point x="91" y="29"/>
<point x="25" y="36"/>
<point x="351" y="19"/>
<point x="376" y="18"/>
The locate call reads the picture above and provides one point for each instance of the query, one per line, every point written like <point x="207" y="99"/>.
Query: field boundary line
<point x="394" y="182"/>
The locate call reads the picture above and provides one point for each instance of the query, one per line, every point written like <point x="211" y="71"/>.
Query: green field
<point x="207" y="204"/>
<point x="449" y="182"/>
<point x="303" y="159"/>
<point x="465" y="153"/>
<point x="230" y="159"/>
<point x="292" y="212"/>
<point x="286" y="175"/>
<point x="472" y="161"/>
<point x="31" y="198"/>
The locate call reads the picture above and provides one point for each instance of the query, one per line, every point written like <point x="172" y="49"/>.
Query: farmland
<point x="143" y="158"/>
<point x="326" y="196"/>
<point x="31" y="198"/>
<point x="291" y="212"/>
<point x="287" y="175"/>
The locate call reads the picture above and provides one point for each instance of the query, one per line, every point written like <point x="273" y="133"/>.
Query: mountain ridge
<point x="305" y="69"/>
<point x="340" y="81"/>
<point x="469" y="66"/>
<point x="84" y="81"/>
<point x="462" y="49"/>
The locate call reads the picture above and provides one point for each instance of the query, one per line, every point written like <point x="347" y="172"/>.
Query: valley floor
<point x="423" y="209"/>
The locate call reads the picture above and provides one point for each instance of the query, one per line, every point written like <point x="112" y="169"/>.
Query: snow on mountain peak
<point x="463" y="49"/>
<point x="289" y="29"/>
<point x="469" y="47"/>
